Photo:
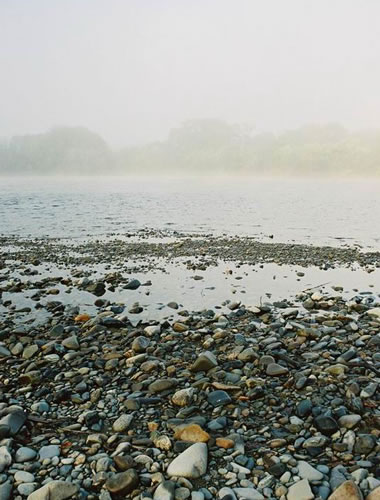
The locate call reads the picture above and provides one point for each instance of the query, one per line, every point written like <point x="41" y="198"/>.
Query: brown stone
<point x="124" y="462"/>
<point x="180" y="327"/>
<point x="374" y="495"/>
<point x="225" y="443"/>
<point x="347" y="491"/>
<point x="192" y="433"/>
<point x="123" y="482"/>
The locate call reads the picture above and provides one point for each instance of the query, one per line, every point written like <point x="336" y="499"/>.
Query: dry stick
<point x="316" y="286"/>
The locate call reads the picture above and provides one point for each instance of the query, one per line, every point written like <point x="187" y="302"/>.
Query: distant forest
<point x="199" y="147"/>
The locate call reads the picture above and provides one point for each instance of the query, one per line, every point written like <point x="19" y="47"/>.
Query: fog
<point x="130" y="70"/>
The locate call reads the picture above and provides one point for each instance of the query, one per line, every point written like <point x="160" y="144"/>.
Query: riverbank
<point x="276" y="399"/>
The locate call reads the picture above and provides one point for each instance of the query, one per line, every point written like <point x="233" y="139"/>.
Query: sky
<point x="131" y="70"/>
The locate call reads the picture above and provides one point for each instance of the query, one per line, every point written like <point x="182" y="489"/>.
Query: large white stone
<point x="191" y="463"/>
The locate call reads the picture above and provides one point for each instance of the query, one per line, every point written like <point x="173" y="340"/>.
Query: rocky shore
<point x="207" y="249"/>
<point x="277" y="400"/>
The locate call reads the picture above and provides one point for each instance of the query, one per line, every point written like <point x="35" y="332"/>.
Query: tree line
<point x="199" y="147"/>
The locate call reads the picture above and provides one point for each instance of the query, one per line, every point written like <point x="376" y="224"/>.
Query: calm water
<point x="316" y="212"/>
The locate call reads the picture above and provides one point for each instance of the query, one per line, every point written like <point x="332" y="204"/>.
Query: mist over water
<point x="313" y="212"/>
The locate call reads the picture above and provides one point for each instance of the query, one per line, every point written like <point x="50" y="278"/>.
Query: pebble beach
<point x="272" y="400"/>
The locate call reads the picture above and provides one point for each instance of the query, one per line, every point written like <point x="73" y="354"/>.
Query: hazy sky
<point x="132" y="69"/>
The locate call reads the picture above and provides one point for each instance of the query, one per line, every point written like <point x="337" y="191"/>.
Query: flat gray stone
<point x="55" y="490"/>
<point x="300" y="491"/>
<point x="248" y="493"/>
<point x="49" y="451"/>
<point x="306" y="471"/>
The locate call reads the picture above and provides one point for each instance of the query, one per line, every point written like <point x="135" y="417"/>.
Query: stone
<point x="300" y="491"/>
<point x="181" y="493"/>
<point x="26" y="489"/>
<point x="304" y="408"/>
<point x="205" y="362"/>
<point x="71" y="343"/>
<point x="49" y="451"/>
<point x="248" y="355"/>
<point x="225" y="443"/>
<point x="374" y="313"/>
<point x="152" y="330"/>
<point x="275" y="370"/>
<point x="349" y="421"/>
<point x="374" y="495"/>
<point x="226" y="493"/>
<point x="140" y="344"/>
<point x="163" y="442"/>
<point x="306" y="471"/>
<point x="164" y="491"/>
<point x="183" y="397"/>
<point x="192" y="433"/>
<point x="124" y="462"/>
<point x="14" y="420"/>
<point x="325" y="424"/>
<point x="191" y="463"/>
<point x="25" y="454"/>
<point x="55" y="490"/>
<point x="4" y="352"/>
<point x="5" y="458"/>
<point x="180" y="327"/>
<point x="248" y="494"/>
<point x="123" y="483"/>
<point x="132" y="285"/>
<point x="5" y="490"/>
<point x="30" y="351"/>
<point x="162" y="385"/>
<point x="364" y="444"/>
<point x="218" y="398"/>
<point x="347" y="491"/>
<point x="122" y="423"/>
<point x="22" y="476"/>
